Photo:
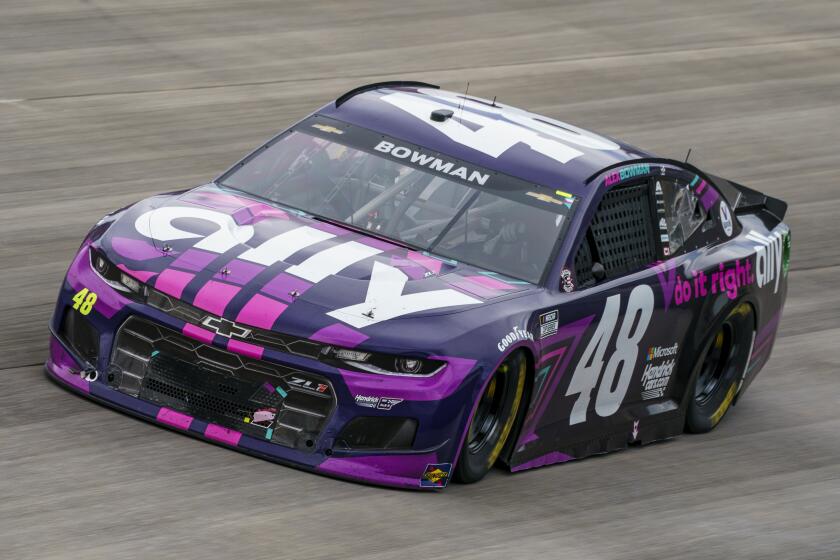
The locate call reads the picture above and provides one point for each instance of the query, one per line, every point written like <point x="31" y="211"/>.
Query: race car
<point x="412" y="285"/>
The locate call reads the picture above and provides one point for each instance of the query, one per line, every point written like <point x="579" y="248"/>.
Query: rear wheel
<point x="720" y="370"/>
<point x="493" y="420"/>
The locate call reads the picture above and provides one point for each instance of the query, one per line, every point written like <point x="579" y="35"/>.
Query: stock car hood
<point x="228" y="254"/>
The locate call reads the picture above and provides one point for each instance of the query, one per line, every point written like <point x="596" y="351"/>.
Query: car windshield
<point x="413" y="197"/>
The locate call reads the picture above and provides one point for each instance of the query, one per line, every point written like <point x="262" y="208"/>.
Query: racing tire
<point x="720" y="370"/>
<point x="495" y="415"/>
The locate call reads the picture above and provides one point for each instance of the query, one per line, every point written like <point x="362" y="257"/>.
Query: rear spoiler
<point x="741" y="199"/>
<point x="750" y="201"/>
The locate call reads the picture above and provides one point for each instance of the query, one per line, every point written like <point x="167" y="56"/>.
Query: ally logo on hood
<point x="385" y="298"/>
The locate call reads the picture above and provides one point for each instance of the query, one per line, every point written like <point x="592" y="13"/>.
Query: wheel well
<point x="525" y="405"/>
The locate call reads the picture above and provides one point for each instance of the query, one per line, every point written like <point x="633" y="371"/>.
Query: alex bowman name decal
<point x="432" y="162"/>
<point x="384" y="300"/>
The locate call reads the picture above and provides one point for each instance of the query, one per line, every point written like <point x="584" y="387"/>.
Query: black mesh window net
<point x="622" y="230"/>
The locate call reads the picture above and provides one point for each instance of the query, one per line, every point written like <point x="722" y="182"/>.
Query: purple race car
<point x="411" y="285"/>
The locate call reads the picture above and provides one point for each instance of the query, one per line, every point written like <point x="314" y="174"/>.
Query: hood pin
<point x="294" y="293"/>
<point x="167" y="248"/>
<point x="225" y="271"/>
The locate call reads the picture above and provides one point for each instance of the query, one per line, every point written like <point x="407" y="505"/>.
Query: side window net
<point x="622" y="231"/>
<point x="583" y="264"/>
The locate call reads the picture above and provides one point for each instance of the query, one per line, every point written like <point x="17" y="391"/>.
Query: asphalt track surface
<point x="103" y="102"/>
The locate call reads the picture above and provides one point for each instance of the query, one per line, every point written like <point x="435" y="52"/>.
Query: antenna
<point x="687" y="155"/>
<point x="494" y="101"/>
<point x="461" y="106"/>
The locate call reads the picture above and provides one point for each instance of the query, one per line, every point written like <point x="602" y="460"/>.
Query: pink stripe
<point x="559" y="352"/>
<point x="491" y="283"/>
<point x="173" y="282"/>
<point x="261" y="312"/>
<point x="194" y="259"/>
<point x="198" y="333"/>
<point x="173" y="418"/>
<point x="214" y="296"/>
<point x="142" y="275"/>
<point x="224" y="435"/>
<point x="426" y="262"/>
<point x="245" y="348"/>
<point x="472" y="288"/>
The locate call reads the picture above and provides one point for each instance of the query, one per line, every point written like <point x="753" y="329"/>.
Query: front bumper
<point x="441" y="407"/>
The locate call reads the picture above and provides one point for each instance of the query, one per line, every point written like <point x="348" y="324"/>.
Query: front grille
<point x="255" y="397"/>
<point x="277" y="341"/>
<point x="80" y="335"/>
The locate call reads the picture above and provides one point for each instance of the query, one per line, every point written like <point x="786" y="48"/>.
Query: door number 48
<point x="621" y="363"/>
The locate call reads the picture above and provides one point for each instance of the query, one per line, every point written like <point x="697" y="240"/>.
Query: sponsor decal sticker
<point x="618" y="175"/>
<point x="566" y="279"/>
<point x="770" y="255"/>
<point x="380" y="403"/>
<point x="432" y="162"/>
<point x="308" y="385"/>
<point x="327" y="128"/>
<point x="515" y="335"/>
<point x="436" y="475"/>
<point x="656" y="375"/>
<point x="548" y="323"/>
<point x="262" y="417"/>
<point x="224" y="327"/>
<point x="84" y="300"/>
<point x="725" y="219"/>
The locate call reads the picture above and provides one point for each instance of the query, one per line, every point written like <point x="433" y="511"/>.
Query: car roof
<point x="486" y="133"/>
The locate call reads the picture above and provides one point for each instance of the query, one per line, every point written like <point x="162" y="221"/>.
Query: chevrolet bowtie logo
<point x="225" y="328"/>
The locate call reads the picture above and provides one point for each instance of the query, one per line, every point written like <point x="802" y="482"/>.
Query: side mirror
<point x="598" y="272"/>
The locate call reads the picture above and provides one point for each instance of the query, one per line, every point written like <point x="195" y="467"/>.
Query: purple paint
<point x="63" y="367"/>
<point x="491" y="283"/>
<point x="473" y="288"/>
<point x="282" y="286"/>
<point x="134" y="249"/>
<point x="426" y="262"/>
<point x="194" y="260"/>
<point x="340" y="335"/>
<point x="173" y="282"/>
<point x="399" y="470"/>
<point x="239" y="272"/>
<point x="548" y="459"/>
<point x="574" y="332"/>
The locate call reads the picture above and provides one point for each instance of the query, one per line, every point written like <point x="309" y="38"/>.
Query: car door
<point x="609" y="349"/>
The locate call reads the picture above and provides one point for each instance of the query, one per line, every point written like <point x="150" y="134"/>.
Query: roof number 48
<point x="622" y="361"/>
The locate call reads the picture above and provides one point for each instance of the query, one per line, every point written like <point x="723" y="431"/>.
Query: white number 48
<point x="591" y="364"/>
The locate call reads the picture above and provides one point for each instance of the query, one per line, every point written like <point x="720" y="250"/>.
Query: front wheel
<point x="493" y="420"/>
<point x="720" y="370"/>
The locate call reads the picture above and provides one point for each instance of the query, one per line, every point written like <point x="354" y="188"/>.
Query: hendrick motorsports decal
<point x="656" y="374"/>
<point x="381" y="403"/>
